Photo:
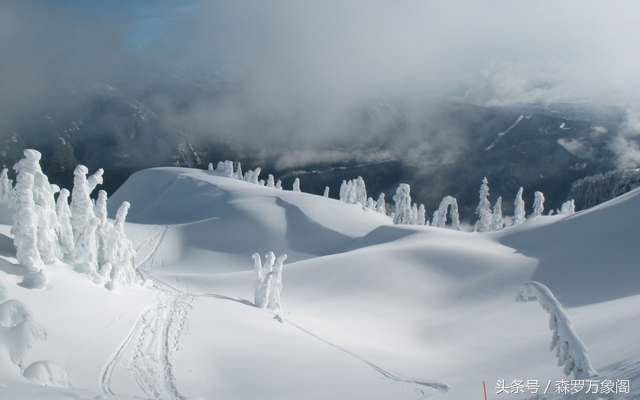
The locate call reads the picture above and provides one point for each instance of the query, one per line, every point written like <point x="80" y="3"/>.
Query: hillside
<point x="370" y="309"/>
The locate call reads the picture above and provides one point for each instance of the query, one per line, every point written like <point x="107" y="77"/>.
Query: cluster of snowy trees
<point x="355" y="192"/>
<point x="596" y="189"/>
<point x="18" y="333"/>
<point x="268" y="280"/>
<point x="46" y="229"/>
<point x="226" y="168"/>
<point x="570" y="350"/>
<point x="491" y="219"/>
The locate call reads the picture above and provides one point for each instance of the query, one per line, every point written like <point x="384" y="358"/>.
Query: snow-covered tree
<point x="279" y="185"/>
<point x="570" y="350"/>
<point x="326" y="191"/>
<point x="43" y="197"/>
<point x="225" y="168"/>
<point x="568" y="207"/>
<point x="371" y="204"/>
<point x="238" y="174"/>
<point x="381" y="205"/>
<point x="484" y="209"/>
<point x="65" y="231"/>
<point x="520" y="215"/>
<point x="6" y="185"/>
<point x="81" y="213"/>
<point x="360" y="191"/>
<point x="253" y="176"/>
<point x="402" y="198"/>
<point x="296" y="185"/>
<point x="422" y="215"/>
<point x="100" y="212"/>
<point x="119" y="252"/>
<point x="258" y="278"/>
<point x="25" y="224"/>
<point x="276" y="284"/>
<point x="497" y="222"/>
<point x="440" y="216"/>
<point x="414" y="214"/>
<point x="210" y="167"/>
<point x="344" y="190"/>
<point x="270" y="182"/>
<point x="86" y="251"/>
<point x="263" y="278"/>
<point x="538" y="204"/>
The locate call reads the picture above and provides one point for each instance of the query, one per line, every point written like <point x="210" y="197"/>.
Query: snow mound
<point x="46" y="373"/>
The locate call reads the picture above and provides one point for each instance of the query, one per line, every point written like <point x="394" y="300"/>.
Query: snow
<point x="370" y="310"/>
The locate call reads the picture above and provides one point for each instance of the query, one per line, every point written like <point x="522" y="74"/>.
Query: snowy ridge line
<point x="440" y="387"/>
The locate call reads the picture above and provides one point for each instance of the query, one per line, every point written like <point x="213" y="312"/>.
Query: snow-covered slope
<point x="371" y="310"/>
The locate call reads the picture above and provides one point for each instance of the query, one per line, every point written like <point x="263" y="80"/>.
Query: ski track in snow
<point x="157" y="330"/>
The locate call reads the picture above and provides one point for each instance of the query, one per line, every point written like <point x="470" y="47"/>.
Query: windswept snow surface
<point x="371" y="310"/>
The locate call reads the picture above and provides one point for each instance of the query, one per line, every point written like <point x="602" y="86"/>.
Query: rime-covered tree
<point x="296" y="185"/>
<point x="402" y="199"/>
<point x="279" y="184"/>
<point x="225" y="168"/>
<point x="100" y="212"/>
<point x="519" y="216"/>
<point x="120" y="254"/>
<point x="45" y="207"/>
<point x="275" y="292"/>
<point x="270" y="182"/>
<point x="238" y="174"/>
<point x="381" y="205"/>
<point x="568" y="207"/>
<point x="253" y="176"/>
<point x="65" y="231"/>
<point x="258" y="278"/>
<point x="440" y="216"/>
<point x="360" y="191"/>
<point x="570" y="350"/>
<point x="263" y="278"/>
<point x="497" y="222"/>
<point x="210" y="167"/>
<point x="326" y="191"/>
<point x="371" y="204"/>
<point x="422" y="215"/>
<point x="538" y="204"/>
<point x="86" y="250"/>
<point x="484" y="209"/>
<point x="82" y="212"/>
<point x="6" y="186"/>
<point x="344" y="190"/>
<point x="25" y="224"/>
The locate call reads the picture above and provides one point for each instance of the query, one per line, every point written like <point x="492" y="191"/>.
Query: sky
<point x="323" y="56"/>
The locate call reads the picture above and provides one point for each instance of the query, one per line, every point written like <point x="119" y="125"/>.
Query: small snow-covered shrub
<point x="18" y="332"/>
<point x="570" y="351"/>
<point x="46" y="373"/>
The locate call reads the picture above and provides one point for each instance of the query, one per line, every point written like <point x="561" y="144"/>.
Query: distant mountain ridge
<point x="440" y="147"/>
